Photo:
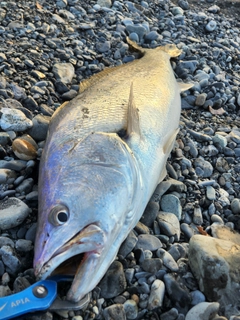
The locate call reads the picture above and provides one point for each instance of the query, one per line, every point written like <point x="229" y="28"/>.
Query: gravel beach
<point x="182" y="259"/>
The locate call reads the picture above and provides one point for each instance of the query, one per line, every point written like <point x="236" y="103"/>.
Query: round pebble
<point x="12" y="213"/>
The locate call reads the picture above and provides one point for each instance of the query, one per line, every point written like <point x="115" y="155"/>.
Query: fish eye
<point x="58" y="215"/>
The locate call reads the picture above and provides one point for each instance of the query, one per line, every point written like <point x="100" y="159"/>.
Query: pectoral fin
<point x="169" y="142"/>
<point x="185" y="86"/>
<point x="133" y="126"/>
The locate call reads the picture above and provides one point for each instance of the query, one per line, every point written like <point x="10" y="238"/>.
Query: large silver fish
<point x="93" y="184"/>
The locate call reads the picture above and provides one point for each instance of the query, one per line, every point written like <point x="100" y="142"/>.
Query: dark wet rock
<point x="114" y="281"/>
<point x="150" y="213"/>
<point x="128" y="245"/>
<point x="148" y="242"/>
<point x="169" y="315"/>
<point x="152" y="265"/>
<point x="40" y="127"/>
<point x="177" y="291"/>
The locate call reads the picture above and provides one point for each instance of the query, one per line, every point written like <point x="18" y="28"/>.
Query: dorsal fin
<point x="132" y="116"/>
<point x="135" y="47"/>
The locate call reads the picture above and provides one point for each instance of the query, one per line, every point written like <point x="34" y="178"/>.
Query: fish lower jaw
<point x="68" y="258"/>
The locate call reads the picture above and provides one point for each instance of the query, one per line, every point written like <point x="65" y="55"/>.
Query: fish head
<point x="86" y="194"/>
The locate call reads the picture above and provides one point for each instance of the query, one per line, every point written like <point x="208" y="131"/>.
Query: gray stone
<point x="183" y="4"/>
<point x="235" y="135"/>
<point x="222" y="165"/>
<point x="167" y="260"/>
<point x="205" y="167"/>
<point x="103" y="46"/>
<point x="23" y="245"/>
<point x="187" y="230"/>
<point x="13" y="212"/>
<point x="224" y="197"/>
<point x="160" y="190"/>
<point x="197" y="297"/>
<point x="169" y="224"/>
<point x="151" y="36"/>
<point x="210" y="193"/>
<point x="177" y="185"/>
<point x="200" y="100"/>
<point x="214" y="9"/>
<point x="156" y="294"/>
<point x="131" y="309"/>
<point x="217" y="218"/>
<point x="113" y="312"/>
<point x="4" y="291"/>
<point x="105" y="3"/>
<point x="11" y="262"/>
<point x="7" y="176"/>
<point x="203" y="311"/>
<point x="169" y="315"/>
<point x="177" y="10"/>
<point x="69" y="95"/>
<point x="4" y="138"/>
<point x="177" y="251"/>
<point x="197" y="215"/>
<point x="148" y="242"/>
<point x="134" y="37"/>
<point x="63" y="72"/>
<point x="215" y="264"/>
<point x="139" y="30"/>
<point x="140" y="228"/>
<point x="61" y="3"/>
<point x="201" y="137"/>
<point x="114" y="281"/>
<point x="171" y="203"/>
<point x="235" y="206"/>
<point x="6" y="241"/>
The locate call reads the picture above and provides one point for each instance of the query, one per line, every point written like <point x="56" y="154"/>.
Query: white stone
<point x="211" y="26"/>
<point x="156" y="294"/>
<point x="203" y="311"/>
<point x="14" y="119"/>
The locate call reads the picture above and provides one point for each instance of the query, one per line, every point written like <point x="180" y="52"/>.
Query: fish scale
<point x="92" y="179"/>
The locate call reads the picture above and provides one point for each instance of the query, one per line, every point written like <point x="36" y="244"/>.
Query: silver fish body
<point x="93" y="184"/>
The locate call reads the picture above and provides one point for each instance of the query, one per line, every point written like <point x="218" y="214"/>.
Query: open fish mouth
<point x="74" y="254"/>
